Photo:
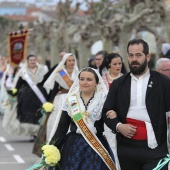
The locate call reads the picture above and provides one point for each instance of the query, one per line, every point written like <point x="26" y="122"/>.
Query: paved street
<point x="15" y="151"/>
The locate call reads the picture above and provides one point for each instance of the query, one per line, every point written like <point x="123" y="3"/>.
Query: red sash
<point x="141" y="132"/>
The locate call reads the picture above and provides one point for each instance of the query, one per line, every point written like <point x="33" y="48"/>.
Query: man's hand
<point x="111" y="114"/>
<point x="127" y="130"/>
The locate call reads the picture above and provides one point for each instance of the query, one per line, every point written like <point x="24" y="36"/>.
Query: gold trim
<point x="92" y="140"/>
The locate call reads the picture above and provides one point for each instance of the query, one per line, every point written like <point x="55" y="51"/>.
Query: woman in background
<point x="101" y="64"/>
<point x="3" y="66"/>
<point x="114" y="65"/>
<point x="28" y="101"/>
<point x="21" y="116"/>
<point x="58" y="85"/>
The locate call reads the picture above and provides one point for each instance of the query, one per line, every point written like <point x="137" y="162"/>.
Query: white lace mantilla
<point x="152" y="143"/>
<point x="94" y="108"/>
<point x="36" y="77"/>
<point x="49" y="84"/>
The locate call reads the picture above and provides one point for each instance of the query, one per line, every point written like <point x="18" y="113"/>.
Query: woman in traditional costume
<point x="84" y="147"/>
<point x="20" y="117"/>
<point x="3" y="66"/>
<point x="114" y="66"/>
<point x="58" y="85"/>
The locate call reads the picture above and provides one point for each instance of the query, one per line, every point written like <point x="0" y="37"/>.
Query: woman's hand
<point x="111" y="114"/>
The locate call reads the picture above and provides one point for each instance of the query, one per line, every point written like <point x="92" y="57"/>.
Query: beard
<point x="138" y="70"/>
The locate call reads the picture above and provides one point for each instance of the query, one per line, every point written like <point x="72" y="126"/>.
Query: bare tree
<point x="113" y="22"/>
<point x="6" y="26"/>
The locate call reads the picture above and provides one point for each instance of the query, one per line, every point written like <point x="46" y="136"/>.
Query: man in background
<point x="163" y="66"/>
<point x="61" y="54"/>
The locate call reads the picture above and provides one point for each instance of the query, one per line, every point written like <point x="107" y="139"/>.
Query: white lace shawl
<point x="94" y="108"/>
<point x="36" y="77"/>
<point x="101" y="90"/>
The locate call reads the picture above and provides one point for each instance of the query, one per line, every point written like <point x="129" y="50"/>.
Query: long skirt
<point x="13" y="126"/>
<point x="111" y="138"/>
<point x="58" y="100"/>
<point x="28" y="104"/>
<point x="77" y="154"/>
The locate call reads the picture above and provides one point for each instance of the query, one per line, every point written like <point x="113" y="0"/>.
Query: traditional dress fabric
<point x="111" y="138"/>
<point x="56" y="78"/>
<point x="20" y="116"/>
<point x="76" y="153"/>
<point x="3" y="94"/>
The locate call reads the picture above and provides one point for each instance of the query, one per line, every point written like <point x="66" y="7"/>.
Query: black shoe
<point x="32" y="138"/>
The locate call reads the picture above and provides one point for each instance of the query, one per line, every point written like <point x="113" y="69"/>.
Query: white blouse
<point x="137" y="109"/>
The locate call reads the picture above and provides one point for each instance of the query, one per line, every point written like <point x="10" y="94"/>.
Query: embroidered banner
<point x="17" y="47"/>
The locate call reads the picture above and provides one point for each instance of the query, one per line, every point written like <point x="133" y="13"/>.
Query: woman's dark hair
<point x="167" y="55"/>
<point x="88" y="69"/>
<point x="31" y="55"/>
<point x="104" y="63"/>
<point x="112" y="56"/>
<point x="90" y="63"/>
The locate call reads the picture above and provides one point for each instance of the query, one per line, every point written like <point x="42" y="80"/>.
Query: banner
<point x="17" y="47"/>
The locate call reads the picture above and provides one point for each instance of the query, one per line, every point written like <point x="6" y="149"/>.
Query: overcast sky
<point x="50" y="2"/>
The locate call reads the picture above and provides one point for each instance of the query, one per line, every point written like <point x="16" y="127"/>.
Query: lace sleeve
<point x="96" y="106"/>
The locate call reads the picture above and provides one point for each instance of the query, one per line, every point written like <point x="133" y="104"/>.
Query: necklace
<point x="86" y="113"/>
<point x="112" y="78"/>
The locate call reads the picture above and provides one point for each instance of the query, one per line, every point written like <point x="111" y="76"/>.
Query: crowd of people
<point x="103" y="118"/>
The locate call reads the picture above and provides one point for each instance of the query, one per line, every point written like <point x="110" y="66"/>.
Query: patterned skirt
<point x="76" y="154"/>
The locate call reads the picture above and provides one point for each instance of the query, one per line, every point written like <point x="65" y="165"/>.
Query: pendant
<point x="86" y="115"/>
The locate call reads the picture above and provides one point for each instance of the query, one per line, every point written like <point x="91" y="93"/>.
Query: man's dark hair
<point x="104" y="63"/>
<point x="102" y="52"/>
<point x="139" y="41"/>
<point x="31" y="55"/>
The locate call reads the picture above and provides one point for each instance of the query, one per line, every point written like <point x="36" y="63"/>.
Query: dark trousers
<point x="136" y="155"/>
